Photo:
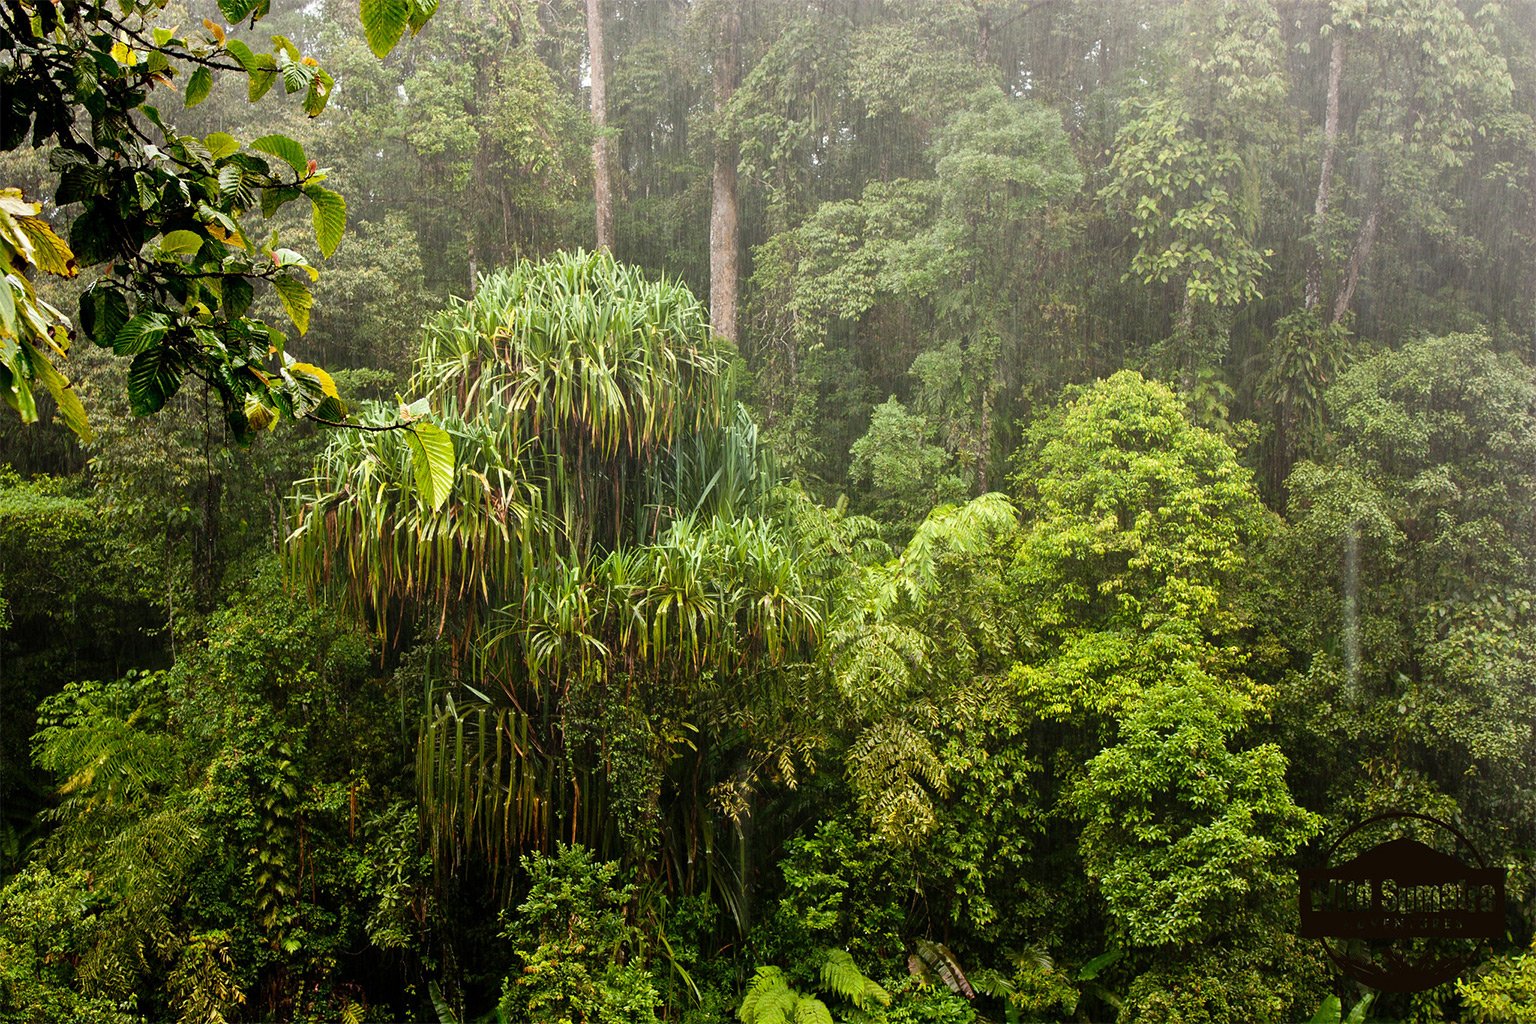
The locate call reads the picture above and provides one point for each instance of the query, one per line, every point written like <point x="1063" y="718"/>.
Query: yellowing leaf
<point x="51" y="253"/>
<point x="71" y="410"/>
<point x="326" y="383"/>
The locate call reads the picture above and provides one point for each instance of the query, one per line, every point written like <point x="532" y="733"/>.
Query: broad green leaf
<point x="312" y="392"/>
<point x="272" y="199"/>
<point x="319" y="93"/>
<point x="330" y="217"/>
<point x="199" y="86"/>
<point x="103" y="312"/>
<point x="1329" y="1012"/>
<point x="221" y="145"/>
<point x="296" y="299"/>
<point x="1091" y="969"/>
<point x="236" y="297"/>
<point x="153" y="378"/>
<point x="432" y="460"/>
<point x="50" y="253"/>
<point x="1360" y="1009"/>
<point x="79" y="182"/>
<point x="140" y="334"/>
<point x="285" y="149"/>
<point x="258" y="414"/>
<point x="230" y="177"/>
<point x="285" y="44"/>
<point x="296" y="77"/>
<point x="13" y="382"/>
<point x="182" y="243"/>
<point x="236" y="11"/>
<point x="288" y="258"/>
<point x="262" y="77"/>
<point x="384" y="22"/>
<point x="242" y="53"/>
<point x="445" y="1014"/>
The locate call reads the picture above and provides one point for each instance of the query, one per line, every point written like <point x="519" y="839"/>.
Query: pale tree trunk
<point x="602" y="172"/>
<point x="1325" y="178"/>
<point x="1357" y="258"/>
<point x="724" y="227"/>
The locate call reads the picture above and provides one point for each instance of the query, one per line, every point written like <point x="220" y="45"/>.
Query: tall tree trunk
<point x="602" y="173"/>
<point x="1325" y="178"/>
<point x="1357" y="258"/>
<point x="724" y="227"/>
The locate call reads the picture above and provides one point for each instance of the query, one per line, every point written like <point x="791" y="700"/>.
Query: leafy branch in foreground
<point x="165" y="215"/>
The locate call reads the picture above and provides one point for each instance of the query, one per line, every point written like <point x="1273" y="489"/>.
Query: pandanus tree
<point x="603" y="573"/>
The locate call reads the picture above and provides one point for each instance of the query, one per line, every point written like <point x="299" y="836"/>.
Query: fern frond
<point x="769" y="999"/>
<point x="810" y="1010"/>
<point x="842" y="977"/>
<point x="892" y="767"/>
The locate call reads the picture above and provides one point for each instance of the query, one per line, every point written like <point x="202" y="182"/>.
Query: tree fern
<point x="769" y="999"/>
<point x="840" y="976"/>
<point x="810" y="1010"/>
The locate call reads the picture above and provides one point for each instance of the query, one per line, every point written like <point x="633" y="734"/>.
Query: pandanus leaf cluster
<point x="604" y="543"/>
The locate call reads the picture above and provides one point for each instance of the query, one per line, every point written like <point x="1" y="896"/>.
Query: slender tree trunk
<point x="724" y="227"/>
<point x="1325" y="178"/>
<point x="984" y="440"/>
<point x="602" y="173"/>
<point x="1357" y="258"/>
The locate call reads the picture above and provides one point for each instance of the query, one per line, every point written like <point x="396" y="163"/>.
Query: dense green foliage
<point x="1118" y="481"/>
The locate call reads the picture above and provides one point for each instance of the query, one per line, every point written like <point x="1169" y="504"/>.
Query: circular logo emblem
<point x="1405" y="902"/>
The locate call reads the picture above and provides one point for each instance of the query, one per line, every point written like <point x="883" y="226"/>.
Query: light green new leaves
<point x="432" y="461"/>
<point x="284" y="148"/>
